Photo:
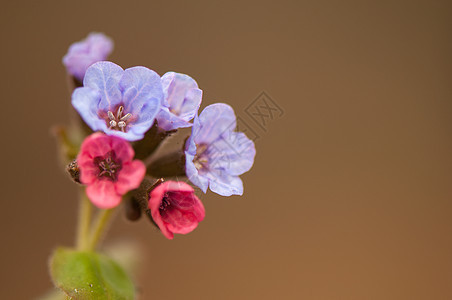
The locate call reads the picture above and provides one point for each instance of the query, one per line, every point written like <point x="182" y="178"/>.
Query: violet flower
<point x="182" y="98"/>
<point x="175" y="208"/>
<point x="215" y="155"/>
<point x="96" y="47"/>
<point x="108" y="169"/>
<point x="119" y="102"/>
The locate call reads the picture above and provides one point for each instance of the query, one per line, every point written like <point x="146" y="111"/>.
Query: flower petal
<point x="142" y="92"/>
<point x="222" y="183"/>
<point x="181" y="221"/>
<point x="167" y="121"/>
<point x="155" y="201"/>
<point x="129" y="136"/>
<point x="103" y="195"/>
<point x="175" y="88"/>
<point x="130" y="176"/>
<point x="234" y="153"/>
<point x="86" y="102"/>
<point x="193" y="174"/>
<point x="96" y="144"/>
<point x="123" y="151"/>
<point x="96" y="47"/>
<point x="214" y="121"/>
<point x="191" y="104"/>
<point x="104" y="76"/>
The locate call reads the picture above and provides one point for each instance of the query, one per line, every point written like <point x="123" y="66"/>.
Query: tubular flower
<point x="175" y="208"/>
<point x="215" y="155"/>
<point x="119" y="102"/>
<point x="181" y="101"/>
<point x="108" y="169"/>
<point x="81" y="55"/>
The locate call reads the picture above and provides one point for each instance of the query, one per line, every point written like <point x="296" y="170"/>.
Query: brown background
<point x="350" y="194"/>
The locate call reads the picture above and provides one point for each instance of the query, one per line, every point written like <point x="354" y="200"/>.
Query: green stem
<point x="83" y="221"/>
<point x="99" y="227"/>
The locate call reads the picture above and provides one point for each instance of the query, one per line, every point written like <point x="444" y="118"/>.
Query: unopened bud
<point x="133" y="209"/>
<point x="74" y="171"/>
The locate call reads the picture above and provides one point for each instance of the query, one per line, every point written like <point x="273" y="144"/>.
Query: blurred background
<point x="350" y="196"/>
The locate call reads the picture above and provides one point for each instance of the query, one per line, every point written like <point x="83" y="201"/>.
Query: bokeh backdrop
<point x="350" y="196"/>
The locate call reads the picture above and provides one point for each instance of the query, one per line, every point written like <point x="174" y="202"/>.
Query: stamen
<point x="126" y="117"/>
<point x="119" y="122"/>
<point x="120" y="110"/>
<point x="165" y="203"/>
<point x="122" y="125"/>
<point x="108" y="167"/>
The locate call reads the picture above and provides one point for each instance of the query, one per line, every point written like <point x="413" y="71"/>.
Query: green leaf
<point x="89" y="275"/>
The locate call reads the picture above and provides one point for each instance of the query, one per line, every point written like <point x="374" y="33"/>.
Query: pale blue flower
<point x="215" y="154"/>
<point x="119" y="102"/>
<point x="96" y="47"/>
<point x="181" y="101"/>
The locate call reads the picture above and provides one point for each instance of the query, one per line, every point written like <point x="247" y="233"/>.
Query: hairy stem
<point x="84" y="220"/>
<point x="99" y="226"/>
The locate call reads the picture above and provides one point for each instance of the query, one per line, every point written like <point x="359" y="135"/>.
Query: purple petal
<point x="142" y="96"/>
<point x="224" y="184"/>
<point x="234" y="154"/>
<point x="96" y="47"/>
<point x="104" y="76"/>
<point x="176" y="87"/>
<point x="191" y="104"/>
<point x="193" y="174"/>
<point x="100" y="45"/>
<point x="213" y="122"/>
<point x="181" y="101"/>
<point x="129" y="135"/>
<point x="169" y="121"/>
<point x="86" y="102"/>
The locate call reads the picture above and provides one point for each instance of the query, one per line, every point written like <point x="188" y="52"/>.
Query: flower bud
<point x="175" y="208"/>
<point x="73" y="170"/>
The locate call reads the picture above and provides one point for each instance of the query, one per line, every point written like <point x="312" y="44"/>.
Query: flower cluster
<point x="133" y="108"/>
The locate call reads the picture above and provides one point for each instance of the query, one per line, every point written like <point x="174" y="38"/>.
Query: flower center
<point x="164" y="206"/>
<point x="108" y="167"/>
<point x="200" y="160"/>
<point x="118" y="121"/>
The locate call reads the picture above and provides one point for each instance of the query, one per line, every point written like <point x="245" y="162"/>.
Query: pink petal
<point x="130" y="176"/>
<point x="97" y="144"/>
<point x="181" y="222"/>
<point x="88" y="172"/>
<point x="103" y="195"/>
<point x="186" y="209"/>
<point x="124" y="152"/>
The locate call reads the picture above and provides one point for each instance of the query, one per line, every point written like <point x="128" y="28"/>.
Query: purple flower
<point x="81" y="55"/>
<point x="119" y="102"/>
<point x="215" y="154"/>
<point x="181" y="101"/>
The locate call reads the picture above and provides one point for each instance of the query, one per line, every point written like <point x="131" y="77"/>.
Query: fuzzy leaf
<point x="89" y="275"/>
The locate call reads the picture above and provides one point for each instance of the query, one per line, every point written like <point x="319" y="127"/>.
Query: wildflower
<point x="175" y="208"/>
<point x="119" y="102"/>
<point x="108" y="169"/>
<point x="82" y="54"/>
<point x="182" y="98"/>
<point x="215" y="155"/>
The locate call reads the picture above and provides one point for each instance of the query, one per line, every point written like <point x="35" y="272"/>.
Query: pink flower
<point x="107" y="168"/>
<point x="175" y="208"/>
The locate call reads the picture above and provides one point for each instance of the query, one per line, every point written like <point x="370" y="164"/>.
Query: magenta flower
<point x="175" y="208"/>
<point x="107" y="168"/>
<point x="96" y="47"/>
